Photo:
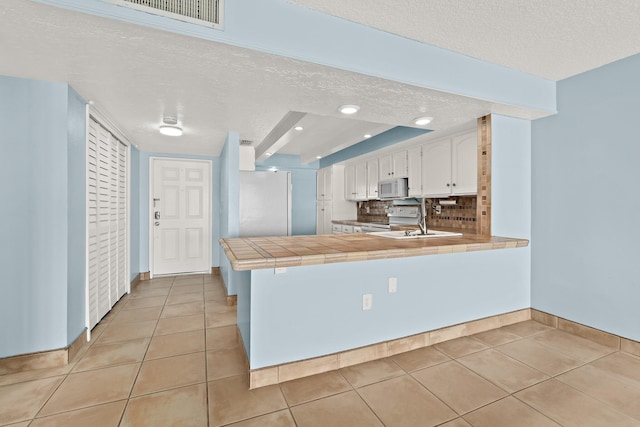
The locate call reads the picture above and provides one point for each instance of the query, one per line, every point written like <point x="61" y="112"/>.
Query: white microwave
<point x="396" y="188"/>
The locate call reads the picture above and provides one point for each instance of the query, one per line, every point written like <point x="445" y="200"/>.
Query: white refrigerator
<point x="265" y="203"/>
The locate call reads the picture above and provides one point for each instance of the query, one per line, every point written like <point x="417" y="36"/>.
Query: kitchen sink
<point x="400" y="234"/>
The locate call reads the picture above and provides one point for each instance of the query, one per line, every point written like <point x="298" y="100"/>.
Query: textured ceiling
<point x="554" y="39"/>
<point x="137" y="74"/>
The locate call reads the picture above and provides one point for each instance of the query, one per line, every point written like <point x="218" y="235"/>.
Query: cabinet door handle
<point x="454" y="184"/>
<point x="448" y="184"/>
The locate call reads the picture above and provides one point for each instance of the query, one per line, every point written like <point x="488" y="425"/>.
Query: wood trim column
<point x="483" y="203"/>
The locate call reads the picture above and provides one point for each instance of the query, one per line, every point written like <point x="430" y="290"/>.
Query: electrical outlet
<point x="393" y="285"/>
<point x="367" y="301"/>
<point x="438" y="210"/>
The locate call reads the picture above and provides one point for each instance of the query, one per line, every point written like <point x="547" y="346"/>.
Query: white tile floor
<point x="168" y="355"/>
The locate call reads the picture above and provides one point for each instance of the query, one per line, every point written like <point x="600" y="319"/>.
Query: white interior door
<point x="180" y="216"/>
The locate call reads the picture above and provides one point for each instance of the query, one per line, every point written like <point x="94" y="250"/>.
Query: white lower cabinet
<point x="337" y="228"/>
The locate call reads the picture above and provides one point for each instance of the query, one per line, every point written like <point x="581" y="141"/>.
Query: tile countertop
<point x="254" y="253"/>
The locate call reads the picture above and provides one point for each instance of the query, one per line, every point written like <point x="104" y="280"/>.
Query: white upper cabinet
<point x="385" y="167"/>
<point x="436" y="168"/>
<point x="393" y="165"/>
<point x="464" y="164"/>
<point x="449" y="166"/>
<point x="372" y="179"/>
<point x="350" y="182"/>
<point x="324" y="184"/>
<point x="400" y="164"/>
<point x="355" y="181"/>
<point x="361" y="181"/>
<point x="414" y="163"/>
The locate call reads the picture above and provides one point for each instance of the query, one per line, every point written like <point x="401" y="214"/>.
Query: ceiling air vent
<point x="203" y="12"/>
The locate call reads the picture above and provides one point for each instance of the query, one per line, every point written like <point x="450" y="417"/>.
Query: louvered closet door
<point x="113" y="221"/>
<point x="107" y="221"/>
<point x="123" y="224"/>
<point x="104" y="220"/>
<point x="92" y="224"/>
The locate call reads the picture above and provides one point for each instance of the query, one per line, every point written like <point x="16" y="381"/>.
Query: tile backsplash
<point x="373" y="211"/>
<point x="462" y="215"/>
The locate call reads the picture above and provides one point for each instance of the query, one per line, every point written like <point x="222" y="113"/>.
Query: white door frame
<point x="150" y="212"/>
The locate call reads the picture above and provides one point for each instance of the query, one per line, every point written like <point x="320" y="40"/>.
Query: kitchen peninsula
<point x="300" y="298"/>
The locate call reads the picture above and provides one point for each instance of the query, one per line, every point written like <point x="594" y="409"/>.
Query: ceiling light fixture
<point x="267" y="153"/>
<point x="421" y="121"/>
<point x="349" y="109"/>
<point x="298" y="128"/>
<point x="366" y="135"/>
<point x="318" y="157"/>
<point x="170" y="127"/>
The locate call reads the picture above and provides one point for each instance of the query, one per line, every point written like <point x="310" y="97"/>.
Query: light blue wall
<point x="585" y="203"/>
<point x="303" y="194"/>
<point x="315" y="310"/>
<point x="40" y="301"/>
<point x="143" y="206"/>
<point x="377" y="142"/>
<point x="283" y="28"/>
<point x="230" y="205"/>
<point x="134" y="211"/>
<point x="511" y="177"/>
<point x="77" y="215"/>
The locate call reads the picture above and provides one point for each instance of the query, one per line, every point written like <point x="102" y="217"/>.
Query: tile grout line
<point x="206" y="359"/>
<point x="509" y="394"/>
<point x="126" y="406"/>
<point x="551" y="377"/>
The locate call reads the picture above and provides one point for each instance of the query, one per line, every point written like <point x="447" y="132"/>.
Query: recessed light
<point x="421" y="121"/>
<point x="366" y="135"/>
<point x="318" y="157"/>
<point x="298" y="128"/>
<point x="170" y="127"/>
<point x="267" y="153"/>
<point x="349" y="109"/>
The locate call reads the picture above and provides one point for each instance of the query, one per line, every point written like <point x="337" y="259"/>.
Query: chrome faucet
<point x="423" y="216"/>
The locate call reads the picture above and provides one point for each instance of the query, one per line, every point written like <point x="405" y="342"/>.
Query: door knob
<point x="157" y="215"/>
